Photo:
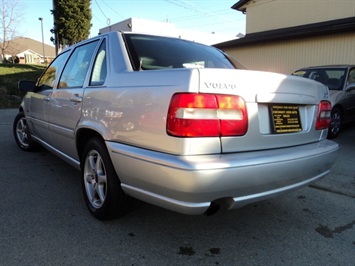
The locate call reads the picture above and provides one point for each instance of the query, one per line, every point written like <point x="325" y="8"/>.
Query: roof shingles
<point x="22" y="44"/>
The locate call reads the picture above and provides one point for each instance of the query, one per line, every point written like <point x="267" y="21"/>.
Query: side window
<point x="99" y="70"/>
<point x="351" y="78"/>
<point x="51" y="74"/>
<point x="75" y="71"/>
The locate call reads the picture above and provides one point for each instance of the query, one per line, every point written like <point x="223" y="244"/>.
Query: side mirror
<point x="25" y="85"/>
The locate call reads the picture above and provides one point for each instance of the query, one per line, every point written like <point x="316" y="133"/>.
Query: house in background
<point x="282" y="36"/>
<point x="30" y="51"/>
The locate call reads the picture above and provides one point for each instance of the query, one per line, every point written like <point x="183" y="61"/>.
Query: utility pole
<point x="44" y="54"/>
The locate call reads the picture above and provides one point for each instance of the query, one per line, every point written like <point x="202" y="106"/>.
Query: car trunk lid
<point x="282" y="110"/>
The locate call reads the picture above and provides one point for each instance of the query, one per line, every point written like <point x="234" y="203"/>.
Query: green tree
<point x="72" y="19"/>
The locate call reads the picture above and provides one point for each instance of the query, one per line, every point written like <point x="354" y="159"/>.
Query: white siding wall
<point x="263" y="15"/>
<point x="287" y="56"/>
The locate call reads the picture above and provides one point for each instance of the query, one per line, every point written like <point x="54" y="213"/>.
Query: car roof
<point x="326" y="66"/>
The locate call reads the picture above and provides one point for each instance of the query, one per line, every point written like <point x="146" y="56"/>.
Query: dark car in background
<point x="340" y="79"/>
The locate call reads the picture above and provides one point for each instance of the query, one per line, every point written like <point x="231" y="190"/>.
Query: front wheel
<point x="102" y="190"/>
<point x="336" y="120"/>
<point x="22" y="135"/>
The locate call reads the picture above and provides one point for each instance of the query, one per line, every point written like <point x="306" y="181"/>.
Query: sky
<point x="196" y="15"/>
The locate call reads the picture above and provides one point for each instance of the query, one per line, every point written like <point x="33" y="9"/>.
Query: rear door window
<point x="51" y="74"/>
<point x="76" y="69"/>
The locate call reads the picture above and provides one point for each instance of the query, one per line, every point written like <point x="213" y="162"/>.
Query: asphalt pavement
<point x="44" y="221"/>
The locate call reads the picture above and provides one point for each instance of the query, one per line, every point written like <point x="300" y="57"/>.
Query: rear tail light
<point x="324" y="115"/>
<point x="206" y="115"/>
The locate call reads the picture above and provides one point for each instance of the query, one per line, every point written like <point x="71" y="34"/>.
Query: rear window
<point x="154" y="52"/>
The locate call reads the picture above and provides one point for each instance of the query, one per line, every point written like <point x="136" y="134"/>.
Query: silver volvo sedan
<point x="176" y="124"/>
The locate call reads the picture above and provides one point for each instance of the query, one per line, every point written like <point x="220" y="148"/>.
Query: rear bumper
<point x="188" y="184"/>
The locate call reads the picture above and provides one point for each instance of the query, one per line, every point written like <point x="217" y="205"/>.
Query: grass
<point x="10" y="74"/>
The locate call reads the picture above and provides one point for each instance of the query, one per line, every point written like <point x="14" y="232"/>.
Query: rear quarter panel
<point x="143" y="98"/>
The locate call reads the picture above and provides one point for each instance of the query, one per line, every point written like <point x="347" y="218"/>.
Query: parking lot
<point x="44" y="221"/>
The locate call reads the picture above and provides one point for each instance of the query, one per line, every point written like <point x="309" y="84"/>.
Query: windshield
<point x="332" y="77"/>
<point x="154" y="52"/>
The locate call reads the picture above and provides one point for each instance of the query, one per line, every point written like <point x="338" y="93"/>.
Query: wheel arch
<point x="83" y="136"/>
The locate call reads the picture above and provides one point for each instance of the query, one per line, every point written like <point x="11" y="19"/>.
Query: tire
<point x="101" y="186"/>
<point x="336" y="120"/>
<point x="22" y="135"/>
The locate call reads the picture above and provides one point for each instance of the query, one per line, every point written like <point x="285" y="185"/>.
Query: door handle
<point x="76" y="98"/>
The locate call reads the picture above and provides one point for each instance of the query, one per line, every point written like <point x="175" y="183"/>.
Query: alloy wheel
<point x="95" y="179"/>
